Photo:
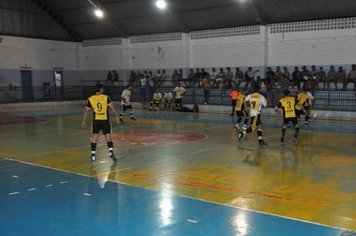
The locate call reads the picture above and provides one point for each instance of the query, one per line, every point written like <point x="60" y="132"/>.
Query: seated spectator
<point x="331" y="77"/>
<point x="156" y="78"/>
<point x="227" y="82"/>
<point x="269" y="80"/>
<point x="341" y="77"/>
<point x="221" y="76"/>
<point x="351" y="78"/>
<point x="239" y="77"/>
<point x="322" y="77"/>
<point x="277" y="76"/>
<point x="197" y="77"/>
<point x="189" y="79"/>
<point x="133" y="78"/>
<point x="250" y="76"/>
<point x="213" y="78"/>
<point x="109" y="78"/>
<point x="115" y="76"/>
<point x="295" y="78"/>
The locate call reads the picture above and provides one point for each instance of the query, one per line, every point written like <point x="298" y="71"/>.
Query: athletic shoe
<point x="92" y="157"/>
<point x="132" y="118"/>
<point x="295" y="141"/>
<point x="121" y="120"/>
<point x="240" y="135"/>
<point x="262" y="142"/>
<point x="237" y="126"/>
<point x="112" y="156"/>
<point x="282" y="143"/>
<point x="244" y="127"/>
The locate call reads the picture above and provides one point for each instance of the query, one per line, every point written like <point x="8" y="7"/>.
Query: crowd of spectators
<point x="227" y="78"/>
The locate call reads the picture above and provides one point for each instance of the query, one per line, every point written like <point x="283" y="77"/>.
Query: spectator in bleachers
<point x="109" y="78"/>
<point x="313" y="71"/>
<point x="239" y="77"/>
<point x="180" y="75"/>
<point x="249" y="76"/>
<point x="115" y="76"/>
<point x="157" y="78"/>
<point x="351" y="78"/>
<point x="269" y="80"/>
<point x="227" y="82"/>
<point x="278" y="75"/>
<point x="304" y="75"/>
<point x="163" y="77"/>
<point x="133" y="78"/>
<point x="340" y="77"/>
<point x="197" y="77"/>
<point x="285" y="77"/>
<point x="206" y="86"/>
<point x="190" y="78"/>
<point x="331" y="77"/>
<point x="143" y="87"/>
<point x="220" y="76"/>
<point x="174" y="78"/>
<point x="322" y="77"/>
<point x="295" y="78"/>
<point x="213" y="78"/>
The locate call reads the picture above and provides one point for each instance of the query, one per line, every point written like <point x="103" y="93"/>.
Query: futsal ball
<point x="315" y="115"/>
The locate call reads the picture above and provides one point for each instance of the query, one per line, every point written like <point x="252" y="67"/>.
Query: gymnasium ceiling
<point x="136" y="17"/>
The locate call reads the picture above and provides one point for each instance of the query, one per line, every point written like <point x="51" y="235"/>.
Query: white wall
<point x="324" y="47"/>
<point x="16" y="52"/>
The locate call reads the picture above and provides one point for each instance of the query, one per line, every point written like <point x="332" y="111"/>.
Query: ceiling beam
<point x="57" y="19"/>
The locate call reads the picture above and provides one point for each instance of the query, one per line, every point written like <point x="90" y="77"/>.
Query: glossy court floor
<point x="178" y="174"/>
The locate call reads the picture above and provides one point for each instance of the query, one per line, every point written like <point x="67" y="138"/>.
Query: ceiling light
<point x="99" y="13"/>
<point x="161" y="4"/>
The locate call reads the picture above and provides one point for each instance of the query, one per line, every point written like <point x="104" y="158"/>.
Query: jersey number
<point x="253" y="105"/>
<point x="99" y="106"/>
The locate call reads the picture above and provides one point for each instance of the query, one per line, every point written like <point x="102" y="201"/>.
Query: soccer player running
<point x="99" y="103"/>
<point x="305" y="102"/>
<point x="256" y="102"/>
<point x="240" y="110"/>
<point x="288" y="104"/>
<point x="157" y="97"/>
<point x="126" y="104"/>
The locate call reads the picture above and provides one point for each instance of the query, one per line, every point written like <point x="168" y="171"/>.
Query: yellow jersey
<point x="288" y="103"/>
<point x="98" y="103"/>
<point x="240" y="102"/>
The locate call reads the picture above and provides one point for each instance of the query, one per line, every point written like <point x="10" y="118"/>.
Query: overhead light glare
<point x="99" y="13"/>
<point x="161" y="4"/>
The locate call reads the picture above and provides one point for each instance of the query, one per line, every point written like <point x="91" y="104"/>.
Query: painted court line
<point x="188" y="197"/>
<point x="14" y="193"/>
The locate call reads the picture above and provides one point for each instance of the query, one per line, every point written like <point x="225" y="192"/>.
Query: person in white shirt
<point x="126" y="104"/>
<point x="157" y="98"/>
<point x="256" y="101"/>
<point x="179" y="91"/>
<point x="168" y="97"/>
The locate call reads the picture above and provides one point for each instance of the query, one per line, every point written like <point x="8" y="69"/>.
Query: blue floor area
<point x="41" y="201"/>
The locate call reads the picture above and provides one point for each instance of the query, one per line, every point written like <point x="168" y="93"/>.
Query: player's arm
<point x="277" y="106"/>
<point x="85" y="116"/>
<point x="112" y="108"/>
<point x="264" y="101"/>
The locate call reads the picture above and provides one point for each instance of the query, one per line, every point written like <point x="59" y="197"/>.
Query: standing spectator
<point x="178" y="91"/>
<point x="206" y="87"/>
<point x="295" y="78"/>
<point x="239" y="77"/>
<point x="249" y="75"/>
<point x="285" y="77"/>
<point x="157" y="78"/>
<point x="278" y="76"/>
<point x="133" y="78"/>
<point x="322" y="77"/>
<point x="331" y="77"/>
<point x="304" y="75"/>
<point x="180" y="76"/>
<point x="175" y="78"/>
<point x="143" y="87"/>
<point x="351" y="78"/>
<point x="197" y="77"/>
<point x="190" y="78"/>
<point x="234" y="95"/>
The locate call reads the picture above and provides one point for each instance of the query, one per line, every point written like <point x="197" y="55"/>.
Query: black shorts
<point x="293" y="120"/>
<point x="241" y="113"/>
<point x="301" y="112"/>
<point x="178" y="100"/>
<point x="126" y="107"/>
<point x="103" y="125"/>
<point x="255" y="120"/>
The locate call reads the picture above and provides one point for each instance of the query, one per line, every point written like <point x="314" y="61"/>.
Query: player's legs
<point x="107" y="134"/>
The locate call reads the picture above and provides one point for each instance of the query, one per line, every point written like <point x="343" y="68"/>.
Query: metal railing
<point x="324" y="100"/>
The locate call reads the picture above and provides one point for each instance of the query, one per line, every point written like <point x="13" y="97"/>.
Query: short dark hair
<point x="256" y="88"/>
<point x="98" y="87"/>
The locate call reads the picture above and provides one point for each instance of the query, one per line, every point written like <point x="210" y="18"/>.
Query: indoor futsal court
<point x="177" y="174"/>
